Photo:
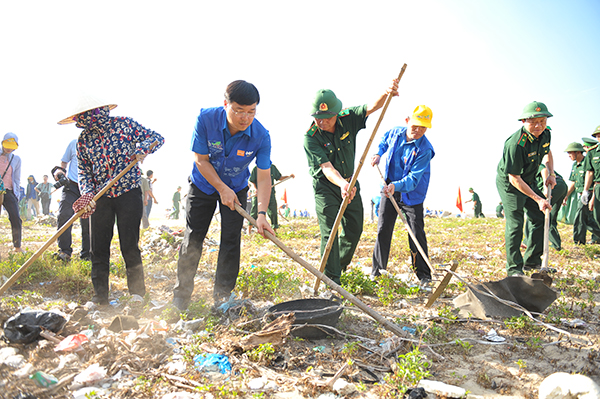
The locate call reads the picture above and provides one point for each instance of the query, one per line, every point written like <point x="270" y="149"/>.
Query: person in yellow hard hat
<point x="407" y="172"/>
<point x="516" y="181"/>
<point x="330" y="146"/>
<point x="10" y="171"/>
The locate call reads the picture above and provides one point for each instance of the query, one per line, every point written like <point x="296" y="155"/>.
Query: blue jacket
<point x="411" y="163"/>
<point x="209" y="139"/>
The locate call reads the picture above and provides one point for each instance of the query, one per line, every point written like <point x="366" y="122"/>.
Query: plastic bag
<point x="25" y="327"/>
<point x="212" y="362"/>
<point x="72" y="342"/>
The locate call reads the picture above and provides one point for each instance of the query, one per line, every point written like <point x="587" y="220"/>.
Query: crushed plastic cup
<point x="319" y="349"/>
<point x="43" y="379"/>
<point x="493" y="336"/>
<point x="90" y="375"/>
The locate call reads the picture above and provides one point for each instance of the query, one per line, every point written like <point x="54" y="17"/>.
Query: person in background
<point x="44" y="190"/>
<point x="33" y="203"/>
<point x="477" y="207"/>
<point x="106" y="147"/>
<point x="516" y="181"/>
<point x="66" y="175"/>
<point x="330" y="147"/>
<point x="591" y="190"/>
<point x="176" y="202"/>
<point x="225" y="141"/>
<point x="272" y="210"/>
<point x="500" y="211"/>
<point x="149" y="193"/>
<point x="10" y="170"/>
<point x="407" y="173"/>
<point x="584" y="219"/>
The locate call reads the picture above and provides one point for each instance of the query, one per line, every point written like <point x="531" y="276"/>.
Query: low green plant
<point x="264" y="353"/>
<point x="411" y="368"/>
<point x="465" y="345"/>
<point x="390" y="288"/>
<point x="350" y="348"/>
<point x="448" y="314"/>
<point x="261" y="282"/>
<point x="521" y="324"/>
<point x="356" y="282"/>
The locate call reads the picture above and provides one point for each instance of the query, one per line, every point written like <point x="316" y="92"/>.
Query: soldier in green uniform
<point x="500" y="211"/>
<point x="524" y="151"/>
<point x="583" y="218"/>
<point x="272" y="209"/>
<point x="477" y="207"/>
<point x="330" y="146"/>
<point x="592" y="168"/>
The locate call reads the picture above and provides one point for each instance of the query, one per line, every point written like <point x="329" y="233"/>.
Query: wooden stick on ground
<point x="51" y="240"/>
<point x="338" y="218"/>
<point x="394" y="328"/>
<point x="442" y="286"/>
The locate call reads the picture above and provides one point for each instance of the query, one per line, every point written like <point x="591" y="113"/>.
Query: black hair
<point x="149" y="173"/>
<point x="242" y="92"/>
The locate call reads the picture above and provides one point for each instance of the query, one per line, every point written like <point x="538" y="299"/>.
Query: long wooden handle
<point x="73" y="218"/>
<point x="338" y="218"/>
<point x="406" y="225"/>
<point x="547" y="231"/>
<point x="380" y="319"/>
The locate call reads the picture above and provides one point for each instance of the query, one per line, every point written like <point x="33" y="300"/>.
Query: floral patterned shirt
<point x="106" y="146"/>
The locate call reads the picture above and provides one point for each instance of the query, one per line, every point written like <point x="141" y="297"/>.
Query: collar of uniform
<point x="247" y="132"/>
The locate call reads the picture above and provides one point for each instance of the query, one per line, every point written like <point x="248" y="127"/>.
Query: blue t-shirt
<point x="70" y="157"/>
<point x="229" y="155"/>
<point x="407" y="164"/>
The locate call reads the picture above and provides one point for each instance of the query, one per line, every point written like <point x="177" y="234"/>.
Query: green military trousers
<point x="478" y="210"/>
<point x="328" y="200"/>
<point x="516" y="205"/>
<point x="271" y="210"/>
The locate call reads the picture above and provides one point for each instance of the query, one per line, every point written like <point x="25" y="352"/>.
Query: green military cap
<point x="325" y="105"/>
<point x="574" y="147"/>
<point x="471" y="189"/>
<point x="588" y="141"/>
<point x="535" y="109"/>
<point x="597" y="131"/>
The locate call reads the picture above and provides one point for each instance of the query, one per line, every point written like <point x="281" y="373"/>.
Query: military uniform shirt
<point x="338" y="147"/>
<point x="522" y="156"/>
<point x="475" y="197"/>
<point x="592" y="162"/>
<point x="578" y="175"/>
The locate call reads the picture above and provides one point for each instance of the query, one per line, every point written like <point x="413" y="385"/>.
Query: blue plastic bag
<point x="212" y="362"/>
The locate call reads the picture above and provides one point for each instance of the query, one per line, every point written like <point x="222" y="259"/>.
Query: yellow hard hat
<point x="422" y="116"/>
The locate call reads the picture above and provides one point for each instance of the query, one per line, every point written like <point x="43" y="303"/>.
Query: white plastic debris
<point x="7" y="352"/>
<point x="573" y="323"/>
<point x="493" y="336"/>
<point x="477" y="256"/>
<point x="563" y="385"/>
<point x="15" y="361"/>
<point x="90" y="375"/>
<point x="344" y="388"/>
<point x="25" y="371"/>
<point x="441" y="389"/>
<point x="257" y="383"/>
<point x="177" y="367"/>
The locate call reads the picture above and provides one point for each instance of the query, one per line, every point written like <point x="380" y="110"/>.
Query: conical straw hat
<point x="86" y="103"/>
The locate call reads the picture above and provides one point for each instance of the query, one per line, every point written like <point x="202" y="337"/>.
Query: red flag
<point x="459" y="201"/>
<point x="284" y="196"/>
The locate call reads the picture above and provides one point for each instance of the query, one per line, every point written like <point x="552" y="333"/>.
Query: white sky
<point x="475" y="63"/>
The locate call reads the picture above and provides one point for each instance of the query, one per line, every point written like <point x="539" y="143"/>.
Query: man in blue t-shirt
<point x="225" y="141"/>
<point x="407" y="172"/>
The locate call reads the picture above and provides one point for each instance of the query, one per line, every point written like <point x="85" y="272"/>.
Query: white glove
<point x="585" y="197"/>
